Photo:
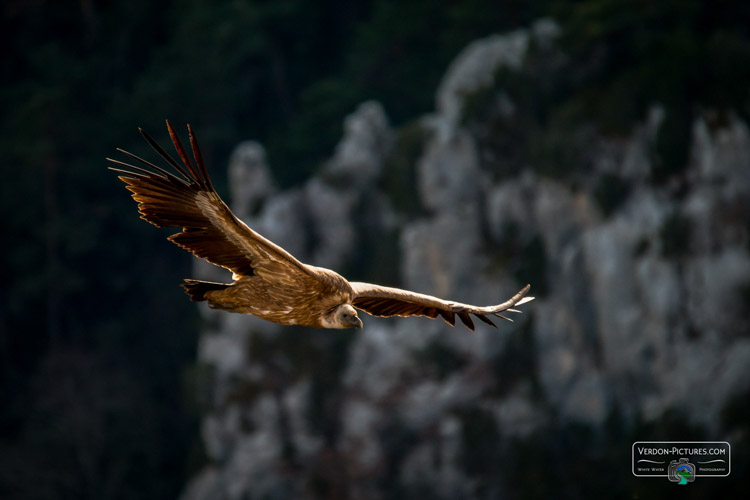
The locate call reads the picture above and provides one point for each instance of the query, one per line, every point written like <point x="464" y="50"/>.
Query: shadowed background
<point x="598" y="150"/>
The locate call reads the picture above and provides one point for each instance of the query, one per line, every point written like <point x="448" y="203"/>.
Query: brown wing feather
<point x="209" y="228"/>
<point x="386" y="301"/>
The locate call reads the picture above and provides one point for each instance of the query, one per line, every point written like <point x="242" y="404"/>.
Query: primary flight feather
<point x="268" y="281"/>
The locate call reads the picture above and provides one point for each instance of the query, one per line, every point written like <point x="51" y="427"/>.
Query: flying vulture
<point x="268" y="281"/>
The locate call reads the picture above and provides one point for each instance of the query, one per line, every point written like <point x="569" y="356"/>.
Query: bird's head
<point x="345" y="316"/>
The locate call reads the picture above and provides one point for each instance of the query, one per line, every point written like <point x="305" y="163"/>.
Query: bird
<point x="267" y="281"/>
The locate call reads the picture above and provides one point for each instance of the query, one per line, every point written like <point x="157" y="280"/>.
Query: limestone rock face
<point x="358" y="157"/>
<point x="476" y="65"/>
<point x="249" y="178"/>
<point x="641" y="305"/>
<point x="443" y="184"/>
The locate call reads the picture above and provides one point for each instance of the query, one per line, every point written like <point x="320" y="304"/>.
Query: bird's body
<point x="287" y="303"/>
<point x="268" y="282"/>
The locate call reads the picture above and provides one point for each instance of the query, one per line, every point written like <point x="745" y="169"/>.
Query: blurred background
<point x="597" y="149"/>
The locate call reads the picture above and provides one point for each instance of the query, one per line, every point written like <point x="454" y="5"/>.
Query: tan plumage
<point x="268" y="281"/>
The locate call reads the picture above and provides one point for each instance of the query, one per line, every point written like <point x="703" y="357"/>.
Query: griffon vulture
<point x="268" y="281"/>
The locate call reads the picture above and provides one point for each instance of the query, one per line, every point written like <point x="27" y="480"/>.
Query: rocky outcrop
<point x="641" y="306"/>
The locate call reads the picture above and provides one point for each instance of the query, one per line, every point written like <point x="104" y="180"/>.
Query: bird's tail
<point x="197" y="289"/>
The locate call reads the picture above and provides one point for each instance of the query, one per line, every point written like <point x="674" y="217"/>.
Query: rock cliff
<point x="643" y="292"/>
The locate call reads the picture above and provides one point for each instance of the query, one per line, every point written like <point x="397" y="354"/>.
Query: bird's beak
<point x="358" y="326"/>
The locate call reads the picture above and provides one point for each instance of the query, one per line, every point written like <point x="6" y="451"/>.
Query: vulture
<point x="268" y="282"/>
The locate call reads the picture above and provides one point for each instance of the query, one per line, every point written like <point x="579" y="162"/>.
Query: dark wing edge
<point x="187" y="199"/>
<point x="386" y="301"/>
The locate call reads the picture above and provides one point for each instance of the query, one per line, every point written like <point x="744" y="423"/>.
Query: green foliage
<point x="379" y="259"/>
<point x="743" y="327"/>
<point x="532" y="267"/>
<point x="439" y="360"/>
<point x="296" y="353"/>
<point x="675" y="236"/>
<point x="643" y="246"/>
<point x="530" y="117"/>
<point x="620" y="59"/>
<point x="399" y="176"/>
<point x="681" y="54"/>
<point x="524" y="255"/>
<point x="481" y="444"/>
<point x="610" y="193"/>
<point x="404" y="47"/>
<point x="672" y="143"/>
<point x="517" y="363"/>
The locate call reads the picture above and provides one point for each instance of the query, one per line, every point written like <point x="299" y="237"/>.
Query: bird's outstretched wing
<point x="385" y="301"/>
<point x="187" y="199"/>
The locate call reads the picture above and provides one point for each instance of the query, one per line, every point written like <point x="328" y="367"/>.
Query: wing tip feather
<point x="487" y="320"/>
<point x="466" y="320"/>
